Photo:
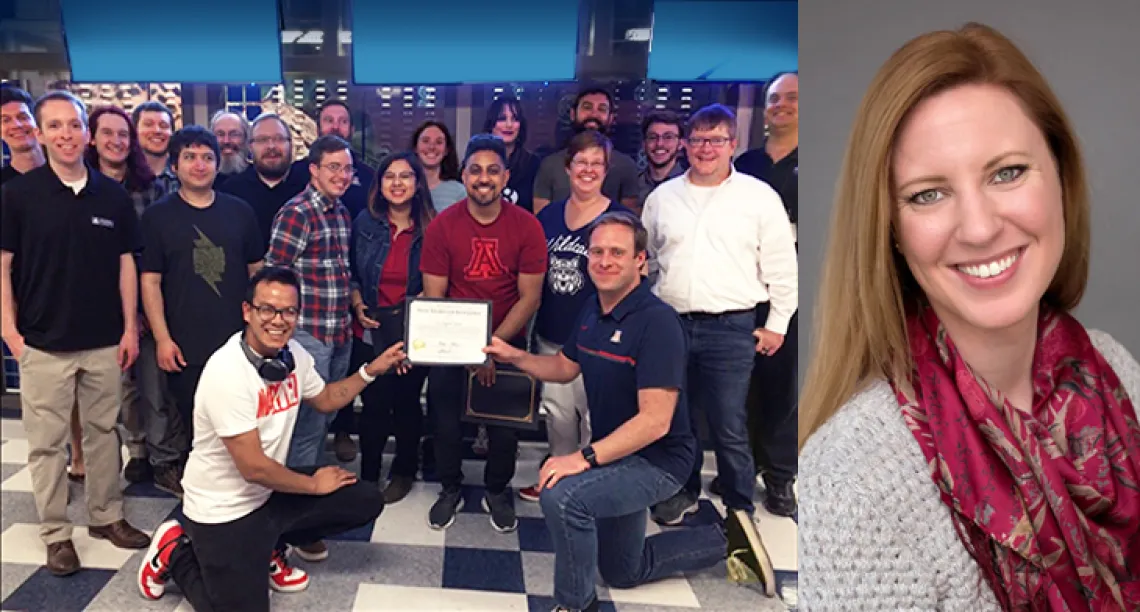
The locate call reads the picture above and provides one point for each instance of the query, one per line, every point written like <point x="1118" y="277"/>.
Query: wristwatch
<point x="591" y="458"/>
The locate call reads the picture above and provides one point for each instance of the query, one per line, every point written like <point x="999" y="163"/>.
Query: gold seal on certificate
<point x="447" y="331"/>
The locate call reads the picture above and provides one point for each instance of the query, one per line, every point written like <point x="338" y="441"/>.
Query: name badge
<point x="103" y="222"/>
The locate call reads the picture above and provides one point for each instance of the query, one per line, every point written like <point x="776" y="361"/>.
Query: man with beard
<point x="268" y="183"/>
<point x="593" y="110"/>
<point x="232" y="132"/>
<point x="19" y="132"/>
<point x="155" y="124"/>
<point x="311" y="235"/>
<point x="661" y="133"/>
<point x="772" y="397"/>
<point x="481" y="248"/>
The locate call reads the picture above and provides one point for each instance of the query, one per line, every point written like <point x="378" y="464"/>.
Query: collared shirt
<point x="164" y="184"/>
<point x="311" y="234"/>
<point x="67" y="253"/>
<point x="640" y="344"/>
<point x="646" y="183"/>
<point x="783" y="175"/>
<point x="723" y="248"/>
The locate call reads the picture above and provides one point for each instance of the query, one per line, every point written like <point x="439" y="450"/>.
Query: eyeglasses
<point x="339" y="169"/>
<point x="260" y="140"/>
<point x="716" y="142"/>
<point x="670" y="138"/>
<point x="267" y="313"/>
<point x="583" y="165"/>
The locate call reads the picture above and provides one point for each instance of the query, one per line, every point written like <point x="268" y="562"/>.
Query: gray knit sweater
<point x="874" y="534"/>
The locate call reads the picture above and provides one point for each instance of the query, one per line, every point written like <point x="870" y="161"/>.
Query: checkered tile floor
<point x="398" y="563"/>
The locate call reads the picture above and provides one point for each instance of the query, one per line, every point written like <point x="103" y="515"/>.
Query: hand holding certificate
<point x="450" y="332"/>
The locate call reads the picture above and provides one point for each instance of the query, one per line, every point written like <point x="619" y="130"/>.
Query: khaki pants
<point x="50" y="384"/>
<point x="567" y="412"/>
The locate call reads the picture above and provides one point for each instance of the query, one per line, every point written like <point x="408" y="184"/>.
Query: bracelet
<point x="368" y="378"/>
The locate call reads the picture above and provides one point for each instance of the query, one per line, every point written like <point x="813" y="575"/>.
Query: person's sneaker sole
<point x="495" y="526"/>
<point x="462" y="504"/>
<point x="526" y="495"/>
<point x="680" y="518"/>
<point x="152" y="552"/>
<point x="310" y="557"/>
<point x="740" y="570"/>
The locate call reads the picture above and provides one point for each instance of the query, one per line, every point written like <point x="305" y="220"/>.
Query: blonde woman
<point x="966" y="444"/>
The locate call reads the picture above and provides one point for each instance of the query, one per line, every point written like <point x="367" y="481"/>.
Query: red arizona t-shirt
<point x="483" y="262"/>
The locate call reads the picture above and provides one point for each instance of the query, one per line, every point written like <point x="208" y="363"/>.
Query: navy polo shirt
<point x="640" y="344"/>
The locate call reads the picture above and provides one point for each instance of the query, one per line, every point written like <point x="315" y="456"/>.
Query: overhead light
<point x="638" y="34"/>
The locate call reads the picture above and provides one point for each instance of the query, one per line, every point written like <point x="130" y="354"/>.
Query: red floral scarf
<point x="1048" y="504"/>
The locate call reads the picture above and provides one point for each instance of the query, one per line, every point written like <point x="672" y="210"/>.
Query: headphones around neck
<point x="270" y="369"/>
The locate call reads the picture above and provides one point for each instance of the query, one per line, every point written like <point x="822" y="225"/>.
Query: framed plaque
<point x="447" y="332"/>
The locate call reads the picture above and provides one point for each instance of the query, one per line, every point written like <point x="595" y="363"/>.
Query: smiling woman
<point x="956" y="418"/>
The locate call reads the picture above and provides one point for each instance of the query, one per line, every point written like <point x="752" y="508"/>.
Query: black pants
<point x="344" y="421"/>
<point x="773" y="407"/>
<point x="392" y="407"/>
<point x="226" y="566"/>
<point x="448" y="398"/>
<point x="182" y="386"/>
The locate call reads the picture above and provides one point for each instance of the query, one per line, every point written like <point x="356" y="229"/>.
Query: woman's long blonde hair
<point x="866" y="289"/>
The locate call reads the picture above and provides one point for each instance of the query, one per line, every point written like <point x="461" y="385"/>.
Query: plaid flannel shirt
<point x="311" y="235"/>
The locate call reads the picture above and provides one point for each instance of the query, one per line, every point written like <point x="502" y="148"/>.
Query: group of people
<point x="261" y="279"/>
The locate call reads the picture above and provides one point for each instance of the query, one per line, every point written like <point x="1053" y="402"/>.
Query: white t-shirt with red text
<point x="232" y="399"/>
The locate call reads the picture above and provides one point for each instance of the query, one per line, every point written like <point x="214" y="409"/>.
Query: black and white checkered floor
<point x="398" y="563"/>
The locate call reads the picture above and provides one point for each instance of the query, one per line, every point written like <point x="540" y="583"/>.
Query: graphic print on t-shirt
<point x="279" y="397"/>
<point x="209" y="260"/>
<point x="485" y="263"/>
<point x="565" y="275"/>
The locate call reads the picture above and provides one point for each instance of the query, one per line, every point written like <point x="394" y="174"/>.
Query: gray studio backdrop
<point x="1089" y="52"/>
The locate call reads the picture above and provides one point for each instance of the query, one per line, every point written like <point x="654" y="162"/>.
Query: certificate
<point x="447" y="331"/>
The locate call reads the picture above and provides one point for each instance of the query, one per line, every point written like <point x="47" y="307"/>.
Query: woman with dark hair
<point x="115" y="150"/>
<point x="385" y="262"/>
<point x="435" y="149"/>
<point x="505" y="119"/>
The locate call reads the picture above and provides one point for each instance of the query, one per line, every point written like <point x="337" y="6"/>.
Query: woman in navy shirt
<point x="568" y="285"/>
<point x="385" y="259"/>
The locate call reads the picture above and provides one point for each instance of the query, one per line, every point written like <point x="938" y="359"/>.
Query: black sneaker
<point x="168" y="477"/>
<point x="397" y="489"/>
<point x="673" y="510"/>
<point x="442" y="513"/>
<point x="714" y="487"/>
<point x="780" y="497"/>
<point x="502" y="510"/>
<point x="137" y="470"/>
<point x="746" y="557"/>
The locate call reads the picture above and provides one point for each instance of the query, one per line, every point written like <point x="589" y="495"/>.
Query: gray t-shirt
<point x="447" y="193"/>
<point x="553" y="183"/>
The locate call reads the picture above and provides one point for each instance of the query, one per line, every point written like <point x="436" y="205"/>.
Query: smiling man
<point x="18" y="129"/>
<point x="662" y="134"/>
<point x="311" y="235"/>
<point x="200" y="248"/>
<point x="232" y="132"/>
<point x="722" y="254"/>
<point x="155" y="125"/>
<point x="68" y="309"/>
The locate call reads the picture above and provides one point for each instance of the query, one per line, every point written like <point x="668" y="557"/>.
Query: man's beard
<point x="272" y="172"/>
<point x="593" y="125"/>
<point x="672" y="158"/>
<point x="233" y="163"/>
<point x="492" y="198"/>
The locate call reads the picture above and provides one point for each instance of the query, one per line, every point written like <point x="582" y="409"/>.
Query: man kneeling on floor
<point x="242" y="505"/>
<point x="630" y="349"/>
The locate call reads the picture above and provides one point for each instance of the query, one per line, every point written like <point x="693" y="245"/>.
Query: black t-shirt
<point x="202" y="254"/>
<point x="8" y="173"/>
<point x="265" y="200"/>
<point x="67" y="250"/>
<point x="783" y="176"/>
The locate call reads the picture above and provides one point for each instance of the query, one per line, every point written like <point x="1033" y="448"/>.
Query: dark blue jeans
<point x="721" y="353"/>
<point x="597" y="522"/>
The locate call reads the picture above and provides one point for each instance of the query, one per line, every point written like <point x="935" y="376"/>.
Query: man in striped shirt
<point x="311" y="235"/>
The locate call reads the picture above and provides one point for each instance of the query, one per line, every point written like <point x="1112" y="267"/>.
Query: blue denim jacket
<point x="371" y="241"/>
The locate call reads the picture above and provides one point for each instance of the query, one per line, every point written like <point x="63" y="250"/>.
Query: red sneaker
<point x="283" y="578"/>
<point x="530" y="493"/>
<point x="155" y="567"/>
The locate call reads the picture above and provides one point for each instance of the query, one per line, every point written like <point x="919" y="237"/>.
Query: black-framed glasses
<point x="267" y="313"/>
<point x="717" y="142"/>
